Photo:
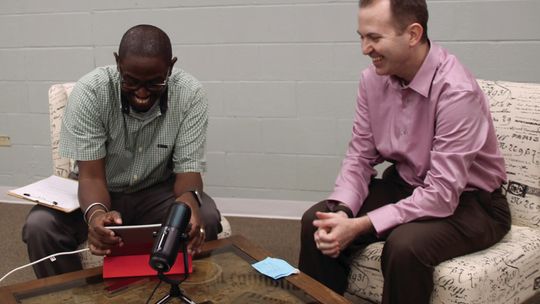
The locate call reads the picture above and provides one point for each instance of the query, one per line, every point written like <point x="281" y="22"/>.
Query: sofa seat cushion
<point x="507" y="272"/>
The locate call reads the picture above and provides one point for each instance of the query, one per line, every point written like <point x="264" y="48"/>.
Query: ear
<point x="173" y="61"/>
<point x="117" y="59"/>
<point x="415" y="31"/>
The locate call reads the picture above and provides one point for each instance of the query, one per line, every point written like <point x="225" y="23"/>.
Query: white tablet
<point x="138" y="239"/>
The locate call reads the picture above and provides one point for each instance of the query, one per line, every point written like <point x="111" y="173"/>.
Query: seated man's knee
<point x="309" y="216"/>
<point x="39" y="222"/>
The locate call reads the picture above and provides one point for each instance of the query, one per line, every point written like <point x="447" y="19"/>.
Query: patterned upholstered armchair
<point x="58" y="97"/>
<point x="508" y="272"/>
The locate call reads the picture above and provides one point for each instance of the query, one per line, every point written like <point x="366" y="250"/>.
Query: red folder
<point x="137" y="266"/>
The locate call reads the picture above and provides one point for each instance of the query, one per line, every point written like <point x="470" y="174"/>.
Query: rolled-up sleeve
<point x="83" y="135"/>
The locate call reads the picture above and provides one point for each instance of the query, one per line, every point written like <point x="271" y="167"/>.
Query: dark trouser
<point x="48" y="231"/>
<point x="411" y="250"/>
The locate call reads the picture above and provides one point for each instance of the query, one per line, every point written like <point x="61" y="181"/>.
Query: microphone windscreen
<point x="167" y="243"/>
<point x="179" y="216"/>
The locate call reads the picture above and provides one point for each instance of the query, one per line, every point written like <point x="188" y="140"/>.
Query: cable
<point x="52" y="257"/>
<point x="153" y="291"/>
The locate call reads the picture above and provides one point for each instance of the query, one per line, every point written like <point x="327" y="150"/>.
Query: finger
<point x="325" y="215"/>
<point x="193" y="233"/>
<point x="107" y="219"/>
<point x="192" y="236"/>
<point x="113" y="218"/>
<point x="328" y="245"/>
<point x="193" y="244"/>
<point x="110" y="241"/>
<point x="318" y="234"/>
<point x="104" y="237"/>
<point x="316" y="237"/>
<point x="330" y="249"/>
<point x="326" y="237"/>
<point x="325" y="224"/>
<point x="105" y="248"/>
<point x="193" y="227"/>
<point x="326" y="220"/>
<point x="333" y="253"/>
<point x="98" y="250"/>
<point x="200" y="241"/>
<point x="103" y="233"/>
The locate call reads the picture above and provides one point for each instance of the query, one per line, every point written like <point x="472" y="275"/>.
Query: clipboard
<point x="54" y="192"/>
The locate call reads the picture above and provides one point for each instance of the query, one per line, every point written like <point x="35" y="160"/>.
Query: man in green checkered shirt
<point x="138" y="133"/>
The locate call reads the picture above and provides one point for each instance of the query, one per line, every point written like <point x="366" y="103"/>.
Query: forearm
<point x="94" y="198"/>
<point x="93" y="193"/>
<point x="363" y="225"/>
<point x="184" y="184"/>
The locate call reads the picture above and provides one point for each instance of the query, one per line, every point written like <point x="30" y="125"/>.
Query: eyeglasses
<point x="133" y="84"/>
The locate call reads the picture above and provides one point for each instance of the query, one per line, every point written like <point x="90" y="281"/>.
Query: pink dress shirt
<point x="437" y="131"/>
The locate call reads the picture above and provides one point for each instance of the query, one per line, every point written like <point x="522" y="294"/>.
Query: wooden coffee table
<point x="223" y="274"/>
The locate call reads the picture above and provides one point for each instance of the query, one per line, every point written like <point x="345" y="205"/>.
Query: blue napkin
<point x="275" y="268"/>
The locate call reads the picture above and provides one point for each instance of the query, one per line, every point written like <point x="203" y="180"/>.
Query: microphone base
<point x="175" y="292"/>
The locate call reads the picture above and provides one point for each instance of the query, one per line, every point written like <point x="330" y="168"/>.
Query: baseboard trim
<point x="262" y="208"/>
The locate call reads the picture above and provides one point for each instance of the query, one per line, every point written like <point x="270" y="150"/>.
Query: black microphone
<point x="172" y="232"/>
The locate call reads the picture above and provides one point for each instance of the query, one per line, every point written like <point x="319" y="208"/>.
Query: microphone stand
<point x="175" y="291"/>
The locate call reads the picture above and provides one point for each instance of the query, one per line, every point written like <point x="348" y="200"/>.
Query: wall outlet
<point x="5" y="141"/>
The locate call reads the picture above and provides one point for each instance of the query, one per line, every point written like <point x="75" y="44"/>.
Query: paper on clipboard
<point x="53" y="192"/>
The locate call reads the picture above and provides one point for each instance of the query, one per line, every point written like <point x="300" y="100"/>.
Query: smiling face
<point x="389" y="48"/>
<point x="144" y="79"/>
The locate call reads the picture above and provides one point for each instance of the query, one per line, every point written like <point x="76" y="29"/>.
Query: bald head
<point x="145" y="41"/>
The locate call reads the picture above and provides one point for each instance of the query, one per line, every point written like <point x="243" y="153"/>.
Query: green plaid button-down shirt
<point x="139" y="150"/>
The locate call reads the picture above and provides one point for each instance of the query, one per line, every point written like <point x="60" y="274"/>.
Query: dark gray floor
<point x="280" y="237"/>
<point x="12" y="249"/>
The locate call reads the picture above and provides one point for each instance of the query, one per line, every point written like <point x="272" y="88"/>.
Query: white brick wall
<point x="281" y="76"/>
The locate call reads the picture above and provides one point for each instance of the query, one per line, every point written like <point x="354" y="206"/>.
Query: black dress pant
<point x="411" y="250"/>
<point x="48" y="231"/>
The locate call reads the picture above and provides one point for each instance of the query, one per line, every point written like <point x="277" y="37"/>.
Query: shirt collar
<point x="422" y="81"/>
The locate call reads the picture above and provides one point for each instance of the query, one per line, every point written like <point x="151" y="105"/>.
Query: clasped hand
<point x="335" y="231"/>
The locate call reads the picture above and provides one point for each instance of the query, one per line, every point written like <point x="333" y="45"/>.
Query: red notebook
<point x="137" y="266"/>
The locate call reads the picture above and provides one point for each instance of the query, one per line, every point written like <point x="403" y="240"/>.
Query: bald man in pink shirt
<point x="419" y="108"/>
